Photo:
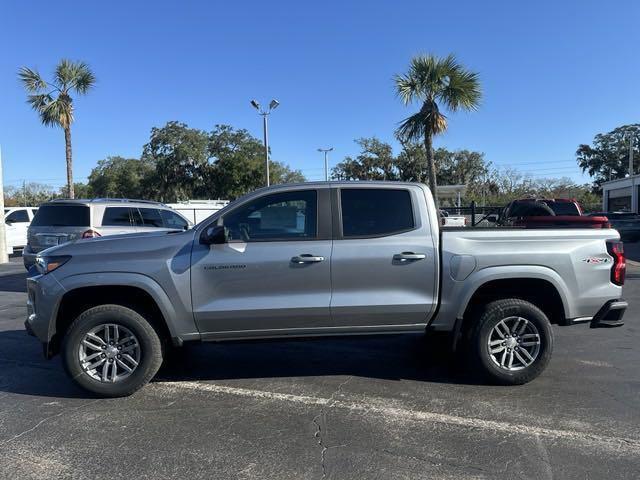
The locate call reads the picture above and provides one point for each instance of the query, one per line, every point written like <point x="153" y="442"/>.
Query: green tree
<point x="237" y="164"/>
<point x="607" y="158"/>
<point x="53" y="101"/>
<point x="429" y="81"/>
<point x="180" y="155"/>
<point x="29" y="194"/>
<point x="461" y="167"/>
<point x="81" y="190"/>
<point x="123" y="177"/>
<point x="375" y="162"/>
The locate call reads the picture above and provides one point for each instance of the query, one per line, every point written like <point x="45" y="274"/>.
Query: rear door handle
<point x="409" y="256"/>
<point x="306" y="258"/>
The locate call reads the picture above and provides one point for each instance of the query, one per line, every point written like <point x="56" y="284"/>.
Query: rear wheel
<point x="512" y="341"/>
<point x="111" y="350"/>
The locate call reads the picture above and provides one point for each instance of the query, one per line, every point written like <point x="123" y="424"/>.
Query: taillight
<point x="90" y="234"/>
<point x="619" y="269"/>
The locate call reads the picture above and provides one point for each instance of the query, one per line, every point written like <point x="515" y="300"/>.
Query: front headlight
<point x="46" y="264"/>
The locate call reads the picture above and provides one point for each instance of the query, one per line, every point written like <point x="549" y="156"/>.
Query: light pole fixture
<point x="265" y="113"/>
<point x="326" y="161"/>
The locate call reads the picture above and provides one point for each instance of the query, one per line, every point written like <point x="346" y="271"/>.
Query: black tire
<point x="493" y="314"/>
<point x="149" y="343"/>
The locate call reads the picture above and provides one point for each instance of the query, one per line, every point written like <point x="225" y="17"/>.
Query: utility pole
<point x="326" y="161"/>
<point x="265" y="127"/>
<point x="4" y="258"/>
<point x="630" y="154"/>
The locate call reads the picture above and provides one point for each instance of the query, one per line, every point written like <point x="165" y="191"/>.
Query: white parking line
<point x="620" y="445"/>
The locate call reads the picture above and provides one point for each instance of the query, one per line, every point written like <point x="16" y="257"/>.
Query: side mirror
<point x="492" y="218"/>
<point x="214" y="235"/>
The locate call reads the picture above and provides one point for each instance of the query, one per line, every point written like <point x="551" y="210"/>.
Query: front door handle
<point x="408" y="256"/>
<point x="306" y="258"/>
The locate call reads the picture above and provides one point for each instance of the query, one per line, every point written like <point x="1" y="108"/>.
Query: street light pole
<point x="326" y="161"/>
<point x="630" y="154"/>
<point x="265" y="127"/>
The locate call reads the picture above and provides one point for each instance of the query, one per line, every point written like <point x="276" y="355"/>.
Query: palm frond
<point x="39" y="102"/>
<point x="425" y="122"/>
<point x="31" y="80"/>
<point x="58" y="112"/>
<point x="76" y="76"/>
<point x="84" y="78"/>
<point x="407" y="88"/>
<point x="462" y="91"/>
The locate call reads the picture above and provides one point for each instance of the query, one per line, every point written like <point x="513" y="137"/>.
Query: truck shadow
<point x="23" y="370"/>
<point x="388" y="357"/>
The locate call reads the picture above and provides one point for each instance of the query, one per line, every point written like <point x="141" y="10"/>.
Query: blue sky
<point x="553" y="73"/>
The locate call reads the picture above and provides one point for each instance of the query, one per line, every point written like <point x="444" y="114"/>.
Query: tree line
<point x="485" y="183"/>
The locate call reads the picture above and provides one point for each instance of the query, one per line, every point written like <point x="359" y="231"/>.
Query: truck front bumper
<point x="43" y="295"/>
<point x="610" y="315"/>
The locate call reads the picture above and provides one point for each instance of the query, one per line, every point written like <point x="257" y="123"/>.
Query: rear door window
<point x="151" y="217"/>
<point x="117" y="217"/>
<point x="375" y="212"/>
<point x="61" y="216"/>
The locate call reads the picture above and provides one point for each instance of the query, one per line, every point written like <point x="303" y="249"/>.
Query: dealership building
<point x="622" y="194"/>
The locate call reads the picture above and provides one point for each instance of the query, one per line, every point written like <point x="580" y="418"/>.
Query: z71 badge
<point x="595" y="260"/>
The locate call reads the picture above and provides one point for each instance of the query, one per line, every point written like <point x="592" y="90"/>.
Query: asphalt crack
<point x="319" y="434"/>
<point x="46" y="419"/>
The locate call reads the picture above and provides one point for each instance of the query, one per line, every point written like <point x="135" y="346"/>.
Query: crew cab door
<point x="383" y="266"/>
<point x="273" y="273"/>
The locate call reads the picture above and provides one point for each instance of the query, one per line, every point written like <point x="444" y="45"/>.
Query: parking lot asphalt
<point x="343" y="408"/>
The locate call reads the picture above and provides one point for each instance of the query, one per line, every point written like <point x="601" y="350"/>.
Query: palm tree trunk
<point x="67" y="142"/>
<point x="431" y="167"/>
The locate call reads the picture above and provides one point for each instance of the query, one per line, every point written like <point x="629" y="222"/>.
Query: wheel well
<point x="542" y="293"/>
<point x="76" y="301"/>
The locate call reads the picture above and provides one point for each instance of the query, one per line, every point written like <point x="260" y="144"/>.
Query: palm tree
<point x="432" y="80"/>
<point x="53" y="101"/>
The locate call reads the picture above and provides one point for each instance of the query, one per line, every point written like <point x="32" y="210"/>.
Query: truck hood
<point x="109" y="247"/>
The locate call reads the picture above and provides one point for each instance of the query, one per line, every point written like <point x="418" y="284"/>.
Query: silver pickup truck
<point x="333" y="258"/>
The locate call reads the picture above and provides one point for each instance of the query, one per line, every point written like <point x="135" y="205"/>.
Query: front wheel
<point x="512" y="341"/>
<point x="111" y="351"/>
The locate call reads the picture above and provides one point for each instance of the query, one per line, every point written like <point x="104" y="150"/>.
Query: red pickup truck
<point x="552" y="213"/>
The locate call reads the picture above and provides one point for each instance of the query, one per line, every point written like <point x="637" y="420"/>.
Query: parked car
<point x="626" y="223"/>
<point x="198" y="210"/>
<point x="327" y="258"/>
<point x="447" y="220"/>
<point x="17" y="220"/>
<point x="61" y="221"/>
<point x="549" y="213"/>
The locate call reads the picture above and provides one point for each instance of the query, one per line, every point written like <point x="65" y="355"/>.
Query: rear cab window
<point x="563" y="208"/>
<point x="375" y="212"/>
<point x="62" y="216"/>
